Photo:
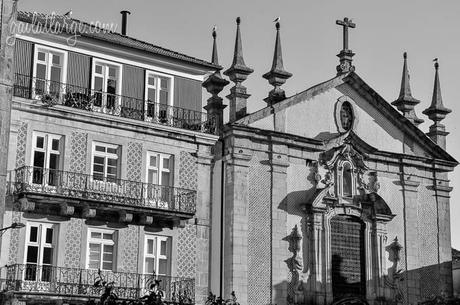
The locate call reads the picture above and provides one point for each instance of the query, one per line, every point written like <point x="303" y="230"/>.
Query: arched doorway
<point x="348" y="256"/>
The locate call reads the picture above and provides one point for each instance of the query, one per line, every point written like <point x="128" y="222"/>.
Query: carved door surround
<point x="365" y="204"/>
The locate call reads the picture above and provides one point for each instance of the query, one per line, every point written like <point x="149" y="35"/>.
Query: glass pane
<point x="111" y="170"/>
<point x="100" y="148"/>
<point x="112" y="72"/>
<point x="165" y="178"/>
<point x="163" y="249"/>
<point x="56" y="59"/>
<point x="39" y="159"/>
<point x="153" y="176"/>
<point x="162" y="266"/>
<point x="40" y="142"/>
<point x="94" y="256"/>
<point x="41" y="56"/>
<point x="153" y="161"/>
<point x="111" y="86"/>
<point x="33" y="234"/>
<point x="164" y="97"/>
<point x="96" y="235"/>
<point x="149" y="265"/>
<point x="41" y="71"/>
<point x="55" y="75"/>
<point x="98" y="160"/>
<point x="166" y="163"/>
<point x="151" y="81"/>
<point x="151" y="94"/>
<point x="98" y="169"/>
<point x="47" y="256"/>
<point x="164" y="83"/>
<point x="49" y="235"/>
<point x="111" y="150"/>
<point x="150" y="246"/>
<point x="55" y="144"/>
<point x="347" y="181"/>
<point x="112" y="162"/>
<point x="32" y="254"/>
<point x="54" y="161"/>
<point x="98" y="81"/>
<point x="107" y="236"/>
<point x="107" y="266"/>
<point x="98" y="69"/>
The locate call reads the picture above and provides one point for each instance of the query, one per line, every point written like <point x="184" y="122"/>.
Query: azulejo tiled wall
<point x="21" y="146"/>
<point x="72" y="246"/>
<point x="134" y="161"/>
<point x="259" y="246"/>
<point x="186" y="251"/>
<point x="187" y="171"/>
<point x="186" y="240"/>
<point x="78" y="151"/>
<point x="129" y="247"/>
<point x="14" y="240"/>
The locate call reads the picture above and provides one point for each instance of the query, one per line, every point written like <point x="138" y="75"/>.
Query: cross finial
<point x="345" y="55"/>
<point x="345" y="23"/>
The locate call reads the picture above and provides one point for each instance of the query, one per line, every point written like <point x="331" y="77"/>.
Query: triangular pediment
<point x="319" y="113"/>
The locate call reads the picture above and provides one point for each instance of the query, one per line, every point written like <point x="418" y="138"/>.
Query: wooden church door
<point x="347" y="256"/>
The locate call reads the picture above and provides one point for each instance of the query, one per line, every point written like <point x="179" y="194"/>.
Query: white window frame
<point x="157" y="75"/>
<point x="47" y="150"/>
<point x="41" y="244"/>
<point x="102" y="242"/>
<point x="49" y="50"/>
<point x="160" y="157"/>
<point x="105" y="155"/>
<point x="157" y="255"/>
<point x="119" y="66"/>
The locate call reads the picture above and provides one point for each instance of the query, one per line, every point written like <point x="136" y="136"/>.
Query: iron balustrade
<point x="29" y="179"/>
<point x="57" y="93"/>
<point x="47" y="279"/>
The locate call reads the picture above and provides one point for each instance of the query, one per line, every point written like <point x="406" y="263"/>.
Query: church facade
<point x="333" y="193"/>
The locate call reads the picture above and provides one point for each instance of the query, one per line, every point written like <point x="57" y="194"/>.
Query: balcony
<point x="55" y="93"/>
<point x="90" y="196"/>
<point x="51" y="281"/>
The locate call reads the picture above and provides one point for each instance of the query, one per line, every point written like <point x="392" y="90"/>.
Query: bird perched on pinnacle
<point x="68" y="14"/>
<point x="277" y="19"/>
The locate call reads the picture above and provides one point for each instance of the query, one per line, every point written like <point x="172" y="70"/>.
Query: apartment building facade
<point x="107" y="141"/>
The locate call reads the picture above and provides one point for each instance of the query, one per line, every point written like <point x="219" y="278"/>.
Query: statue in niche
<point x="346" y="116"/>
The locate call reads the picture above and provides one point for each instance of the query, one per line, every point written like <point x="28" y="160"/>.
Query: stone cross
<point x="345" y="23"/>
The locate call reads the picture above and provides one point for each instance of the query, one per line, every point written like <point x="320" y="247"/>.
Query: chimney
<point x="124" y="21"/>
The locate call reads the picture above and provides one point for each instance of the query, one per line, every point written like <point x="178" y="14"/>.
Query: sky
<point x="310" y="41"/>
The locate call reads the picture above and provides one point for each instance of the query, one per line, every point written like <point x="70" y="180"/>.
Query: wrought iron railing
<point x="29" y="179"/>
<point x="56" y="93"/>
<point x="31" y="278"/>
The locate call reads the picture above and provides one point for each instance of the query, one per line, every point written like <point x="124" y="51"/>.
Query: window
<point x="347" y="180"/>
<point x="49" y="71"/>
<point x="106" y="85"/>
<point x="101" y="249"/>
<point x="157" y="96"/>
<point x="40" y="253"/>
<point x="46" y="158"/>
<point x="105" y="162"/>
<point x="160" y="169"/>
<point x="157" y="255"/>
